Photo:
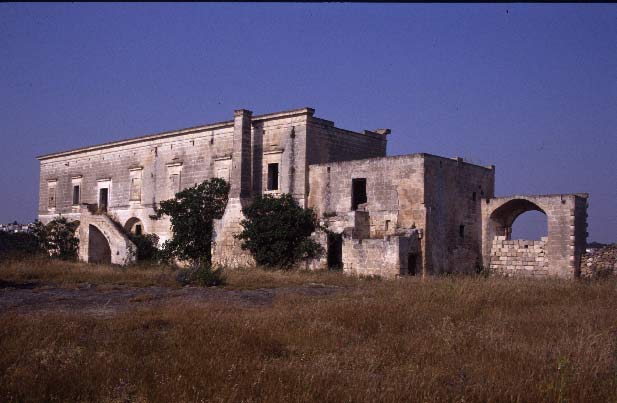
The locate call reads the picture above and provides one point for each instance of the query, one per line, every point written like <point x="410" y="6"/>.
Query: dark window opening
<point x="75" y="195"/>
<point x="138" y="229"/>
<point x="103" y="193"/>
<point x="461" y="231"/>
<point x="473" y="196"/>
<point x="335" y="251"/>
<point x="273" y="176"/>
<point x="358" y="192"/>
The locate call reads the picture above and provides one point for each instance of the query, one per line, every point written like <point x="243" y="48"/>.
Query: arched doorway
<point x="98" y="246"/>
<point x="134" y="226"/>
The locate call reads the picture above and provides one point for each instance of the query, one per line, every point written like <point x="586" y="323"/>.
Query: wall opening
<point x="134" y="226"/>
<point x="103" y="196"/>
<point x="76" y="195"/>
<point x="335" y="251"/>
<point x="412" y="262"/>
<point x="531" y="225"/>
<point x="273" y="176"/>
<point x="358" y="192"/>
<point x="98" y="246"/>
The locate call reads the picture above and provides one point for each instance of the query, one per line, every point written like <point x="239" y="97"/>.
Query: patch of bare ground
<point x="439" y="339"/>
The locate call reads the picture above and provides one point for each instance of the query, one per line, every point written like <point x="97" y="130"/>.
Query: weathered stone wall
<point x="188" y="153"/>
<point x="600" y="263"/>
<point x="394" y="185"/>
<point x="327" y="143"/>
<point x="519" y="257"/>
<point x="386" y="257"/>
<point x="453" y="191"/>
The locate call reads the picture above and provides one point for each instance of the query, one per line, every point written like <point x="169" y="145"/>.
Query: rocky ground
<point x="102" y="300"/>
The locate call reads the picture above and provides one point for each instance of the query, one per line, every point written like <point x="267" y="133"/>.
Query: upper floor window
<point x="135" y="189"/>
<point x="51" y="194"/>
<point x="273" y="177"/>
<point x="76" y="194"/>
<point x="358" y="192"/>
<point x="51" y="202"/>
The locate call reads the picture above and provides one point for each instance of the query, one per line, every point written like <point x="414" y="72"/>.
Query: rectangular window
<point x="273" y="176"/>
<point x="358" y="192"/>
<point x="103" y="199"/>
<point x="51" y="202"/>
<point x="461" y="231"/>
<point x="174" y="184"/>
<point x="135" y="189"/>
<point x="76" y="195"/>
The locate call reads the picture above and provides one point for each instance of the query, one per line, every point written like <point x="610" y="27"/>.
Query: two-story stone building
<point x="410" y="214"/>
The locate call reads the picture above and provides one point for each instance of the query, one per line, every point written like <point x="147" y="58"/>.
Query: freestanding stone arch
<point x="558" y="254"/>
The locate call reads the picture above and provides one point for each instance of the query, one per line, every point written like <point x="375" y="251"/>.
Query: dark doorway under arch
<point x="98" y="246"/>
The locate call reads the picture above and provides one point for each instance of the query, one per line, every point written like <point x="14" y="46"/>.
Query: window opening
<point x="358" y="192"/>
<point x="103" y="195"/>
<point x="76" y="195"/>
<point x="273" y="176"/>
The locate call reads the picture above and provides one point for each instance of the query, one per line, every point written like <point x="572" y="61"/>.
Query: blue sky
<point x="530" y="88"/>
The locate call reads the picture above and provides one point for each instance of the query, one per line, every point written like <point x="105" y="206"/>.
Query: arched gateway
<point x="557" y="254"/>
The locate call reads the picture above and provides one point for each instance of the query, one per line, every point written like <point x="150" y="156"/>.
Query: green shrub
<point x="192" y="213"/>
<point x="147" y="247"/>
<point x="203" y="275"/>
<point x="57" y="238"/>
<point x="277" y="231"/>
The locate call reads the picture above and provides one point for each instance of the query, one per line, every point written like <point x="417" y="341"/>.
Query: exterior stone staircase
<point x="123" y="251"/>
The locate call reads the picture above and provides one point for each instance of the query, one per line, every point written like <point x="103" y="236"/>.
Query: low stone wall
<point x="519" y="257"/>
<point x="600" y="263"/>
<point x="386" y="257"/>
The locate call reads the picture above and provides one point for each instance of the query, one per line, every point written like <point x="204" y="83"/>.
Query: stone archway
<point x="134" y="226"/>
<point x="557" y="254"/>
<point x="99" y="250"/>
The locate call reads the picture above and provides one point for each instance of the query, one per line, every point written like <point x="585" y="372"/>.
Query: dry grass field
<point x="410" y="340"/>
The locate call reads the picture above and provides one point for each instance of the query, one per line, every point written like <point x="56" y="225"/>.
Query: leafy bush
<point x="202" y="274"/>
<point x="57" y="238"/>
<point x="192" y="213"/>
<point x="277" y="231"/>
<point x="147" y="247"/>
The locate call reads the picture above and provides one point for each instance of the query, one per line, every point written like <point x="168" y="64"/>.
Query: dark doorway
<point x="103" y="194"/>
<point x="358" y="192"/>
<point x="335" y="251"/>
<point x="412" y="261"/>
<point x="98" y="247"/>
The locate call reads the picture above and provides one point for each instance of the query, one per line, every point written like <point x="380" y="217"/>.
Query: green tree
<point x="277" y="231"/>
<point x="191" y="213"/>
<point x="57" y="238"/>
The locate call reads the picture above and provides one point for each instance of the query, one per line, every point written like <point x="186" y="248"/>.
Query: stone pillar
<point x="226" y="250"/>
<point x="241" y="156"/>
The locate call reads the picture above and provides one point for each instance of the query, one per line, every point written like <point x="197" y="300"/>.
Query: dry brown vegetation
<point x="439" y="339"/>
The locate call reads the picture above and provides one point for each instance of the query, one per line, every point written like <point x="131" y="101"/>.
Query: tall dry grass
<point x="46" y="270"/>
<point x="452" y="339"/>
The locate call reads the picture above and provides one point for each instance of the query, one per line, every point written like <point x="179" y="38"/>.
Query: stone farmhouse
<point x="416" y="214"/>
